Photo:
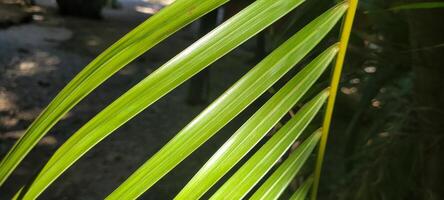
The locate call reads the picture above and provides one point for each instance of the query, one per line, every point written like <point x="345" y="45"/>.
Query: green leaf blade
<point x="256" y="127"/>
<point x="275" y="185"/>
<point x="302" y="191"/>
<point x="263" y="160"/>
<point x="222" y="110"/>
<point x="141" y="39"/>
<point x="195" y="58"/>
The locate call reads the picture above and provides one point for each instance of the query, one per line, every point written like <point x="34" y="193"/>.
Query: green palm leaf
<point x="302" y="191"/>
<point x="256" y="127"/>
<point x="195" y="58"/>
<point x="275" y="185"/>
<point x="232" y="102"/>
<point x="263" y="160"/>
<point x="139" y="40"/>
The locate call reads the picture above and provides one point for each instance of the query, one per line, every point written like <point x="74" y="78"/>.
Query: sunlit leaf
<point x="132" y="45"/>
<point x="192" y="60"/>
<point x="256" y="127"/>
<point x="217" y="43"/>
<point x="302" y="191"/>
<point x="263" y="160"/>
<point x="229" y="105"/>
<point x="275" y="185"/>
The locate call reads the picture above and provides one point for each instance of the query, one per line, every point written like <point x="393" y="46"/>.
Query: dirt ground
<point x="38" y="58"/>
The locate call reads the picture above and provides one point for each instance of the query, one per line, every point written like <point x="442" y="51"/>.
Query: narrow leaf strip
<point x="302" y="191"/>
<point x="192" y="60"/>
<point x="256" y="127"/>
<point x="142" y="38"/>
<point x="275" y="185"/>
<point x="263" y="160"/>
<point x="231" y="103"/>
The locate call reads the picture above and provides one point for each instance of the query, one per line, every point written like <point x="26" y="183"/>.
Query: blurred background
<point x="387" y="133"/>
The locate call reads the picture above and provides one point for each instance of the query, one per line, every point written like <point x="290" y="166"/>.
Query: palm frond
<point x="224" y="109"/>
<point x="281" y="178"/>
<point x="208" y="49"/>
<point x="302" y="191"/>
<point x="129" y="47"/>
<point x="244" y="92"/>
<point x="263" y="160"/>
<point x="252" y="131"/>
